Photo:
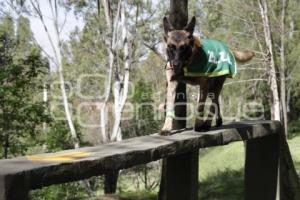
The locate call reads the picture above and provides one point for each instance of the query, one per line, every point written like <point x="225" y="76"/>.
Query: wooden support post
<point x="180" y="174"/>
<point x="13" y="188"/>
<point x="289" y="180"/>
<point x="261" y="168"/>
<point x="182" y="177"/>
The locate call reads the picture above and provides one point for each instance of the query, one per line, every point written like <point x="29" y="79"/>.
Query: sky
<point x="69" y="26"/>
<point x="67" y="23"/>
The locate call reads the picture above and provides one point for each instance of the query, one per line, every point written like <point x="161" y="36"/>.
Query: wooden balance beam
<point x="266" y="152"/>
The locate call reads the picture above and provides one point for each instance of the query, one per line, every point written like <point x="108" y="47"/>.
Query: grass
<point x="294" y="145"/>
<point x="223" y="185"/>
<point x="130" y="196"/>
<point x="216" y="160"/>
<point x="221" y="172"/>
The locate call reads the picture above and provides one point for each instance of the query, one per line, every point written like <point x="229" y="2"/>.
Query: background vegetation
<point x="72" y="93"/>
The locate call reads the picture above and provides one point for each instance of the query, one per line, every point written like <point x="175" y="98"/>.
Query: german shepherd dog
<point x="181" y="51"/>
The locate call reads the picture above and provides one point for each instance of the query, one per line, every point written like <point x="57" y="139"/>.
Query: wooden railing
<point x="269" y="170"/>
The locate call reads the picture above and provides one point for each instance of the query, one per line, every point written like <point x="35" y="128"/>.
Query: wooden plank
<point x="13" y="188"/>
<point x="182" y="176"/>
<point x="261" y="168"/>
<point x="289" y="180"/>
<point x="95" y="161"/>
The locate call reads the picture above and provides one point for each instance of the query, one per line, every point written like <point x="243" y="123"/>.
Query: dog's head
<point x="179" y="44"/>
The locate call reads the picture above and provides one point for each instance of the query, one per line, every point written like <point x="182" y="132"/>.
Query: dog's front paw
<point x="165" y="132"/>
<point x="167" y="128"/>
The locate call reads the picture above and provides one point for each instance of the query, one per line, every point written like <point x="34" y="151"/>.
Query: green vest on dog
<point x="213" y="59"/>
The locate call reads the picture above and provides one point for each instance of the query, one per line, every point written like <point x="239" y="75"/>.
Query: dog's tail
<point x="243" y="56"/>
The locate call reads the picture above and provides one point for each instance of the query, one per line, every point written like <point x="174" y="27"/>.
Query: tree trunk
<point x="275" y="108"/>
<point x="6" y="145"/>
<point x="56" y="48"/>
<point x="179" y="19"/>
<point x="120" y="93"/>
<point x="66" y="104"/>
<point x="45" y="101"/>
<point x="282" y="69"/>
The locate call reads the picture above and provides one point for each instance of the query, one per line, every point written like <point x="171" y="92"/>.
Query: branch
<point x="37" y="9"/>
<point x="154" y="50"/>
<point x="244" y="81"/>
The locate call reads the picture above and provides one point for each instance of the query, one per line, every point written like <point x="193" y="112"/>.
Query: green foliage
<point x="22" y="112"/>
<point x="294" y="129"/>
<point x="144" y="121"/>
<point x="58" y="137"/>
<point x="24" y="35"/>
<point x="74" y="191"/>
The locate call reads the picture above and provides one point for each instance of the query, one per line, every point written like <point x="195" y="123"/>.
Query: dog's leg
<point x="215" y="106"/>
<point x="219" y="120"/>
<point x="216" y="85"/>
<point x="170" y="104"/>
<point x="199" y="122"/>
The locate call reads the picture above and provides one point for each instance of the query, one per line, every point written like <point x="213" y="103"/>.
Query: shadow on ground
<point x="226" y="185"/>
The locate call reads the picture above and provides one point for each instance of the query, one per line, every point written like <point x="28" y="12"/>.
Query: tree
<point x="21" y="74"/>
<point x="121" y="81"/>
<point x="243" y="27"/>
<point x="56" y="45"/>
<point x="178" y="18"/>
<point x="275" y="109"/>
<point x="282" y="67"/>
<point x="111" y="51"/>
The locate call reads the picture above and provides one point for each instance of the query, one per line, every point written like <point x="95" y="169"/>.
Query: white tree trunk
<point x="111" y="45"/>
<point x="45" y="101"/>
<point x="61" y="77"/>
<point x="56" y="48"/>
<point x="282" y="69"/>
<point x="275" y="109"/>
<point x="121" y="93"/>
<point x="65" y="102"/>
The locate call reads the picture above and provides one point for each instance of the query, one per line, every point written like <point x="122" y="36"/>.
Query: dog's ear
<point x="191" y="26"/>
<point x="167" y="25"/>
